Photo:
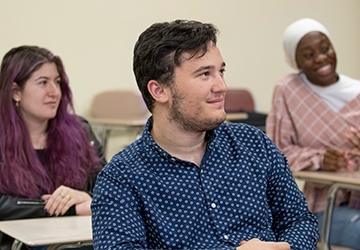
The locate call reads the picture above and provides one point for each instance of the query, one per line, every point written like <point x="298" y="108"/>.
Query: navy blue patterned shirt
<point x="145" y="198"/>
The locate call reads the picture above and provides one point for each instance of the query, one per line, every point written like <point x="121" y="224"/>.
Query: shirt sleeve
<point x="292" y="220"/>
<point x="116" y="219"/>
<point x="282" y="131"/>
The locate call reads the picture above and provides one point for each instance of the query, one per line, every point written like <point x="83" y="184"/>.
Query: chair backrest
<point x="237" y="100"/>
<point x="118" y="104"/>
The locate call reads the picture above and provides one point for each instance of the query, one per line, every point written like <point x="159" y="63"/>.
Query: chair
<point x="239" y="100"/>
<point x="118" y="104"/>
<point x="117" y="110"/>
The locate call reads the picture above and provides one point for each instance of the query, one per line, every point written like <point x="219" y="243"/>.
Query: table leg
<point x="16" y="245"/>
<point x="67" y="246"/>
<point x="324" y="243"/>
<point x="326" y="226"/>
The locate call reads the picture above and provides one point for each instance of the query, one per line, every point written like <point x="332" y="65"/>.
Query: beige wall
<point x="95" y="38"/>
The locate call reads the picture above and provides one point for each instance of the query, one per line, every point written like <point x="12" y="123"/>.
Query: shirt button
<point x="226" y="237"/>
<point x="173" y="159"/>
<point x="213" y="205"/>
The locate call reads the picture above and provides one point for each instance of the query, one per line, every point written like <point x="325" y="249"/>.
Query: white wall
<point x="95" y="38"/>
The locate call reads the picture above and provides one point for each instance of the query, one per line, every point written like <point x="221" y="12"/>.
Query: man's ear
<point x="16" y="93"/>
<point x="158" y="91"/>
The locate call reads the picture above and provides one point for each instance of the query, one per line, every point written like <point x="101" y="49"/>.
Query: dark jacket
<point x="11" y="210"/>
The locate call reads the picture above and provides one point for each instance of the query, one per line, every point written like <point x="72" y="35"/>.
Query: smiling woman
<point x="316" y="57"/>
<point x="312" y="112"/>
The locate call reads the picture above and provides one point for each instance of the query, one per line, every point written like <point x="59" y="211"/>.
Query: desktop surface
<point x="47" y="231"/>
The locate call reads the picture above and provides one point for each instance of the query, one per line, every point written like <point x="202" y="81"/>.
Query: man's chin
<point x="212" y="124"/>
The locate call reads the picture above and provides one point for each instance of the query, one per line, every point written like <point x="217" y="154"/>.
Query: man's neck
<point x="188" y="146"/>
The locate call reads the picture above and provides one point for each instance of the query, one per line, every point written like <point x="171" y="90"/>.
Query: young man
<point x="191" y="181"/>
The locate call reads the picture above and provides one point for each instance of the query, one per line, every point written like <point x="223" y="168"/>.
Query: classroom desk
<point x="336" y="180"/>
<point x="236" y="116"/>
<point x="103" y="126"/>
<point x="53" y="231"/>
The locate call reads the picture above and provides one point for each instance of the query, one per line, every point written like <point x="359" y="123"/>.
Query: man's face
<point x="198" y="92"/>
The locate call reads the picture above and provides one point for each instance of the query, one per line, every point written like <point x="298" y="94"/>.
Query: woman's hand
<point x="63" y="198"/>
<point x="256" y="244"/>
<point x="354" y="138"/>
<point x="334" y="160"/>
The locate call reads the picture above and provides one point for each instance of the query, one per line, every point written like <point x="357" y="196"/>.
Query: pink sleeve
<point x="282" y="131"/>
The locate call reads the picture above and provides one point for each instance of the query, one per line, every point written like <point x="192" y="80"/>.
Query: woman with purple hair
<point x="49" y="157"/>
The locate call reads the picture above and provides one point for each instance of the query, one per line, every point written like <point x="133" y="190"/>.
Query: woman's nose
<point x="320" y="57"/>
<point x="54" y="88"/>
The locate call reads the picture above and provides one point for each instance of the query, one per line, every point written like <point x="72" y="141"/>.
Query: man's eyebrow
<point x="202" y="68"/>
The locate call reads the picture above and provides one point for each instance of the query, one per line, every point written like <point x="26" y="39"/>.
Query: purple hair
<point x="69" y="157"/>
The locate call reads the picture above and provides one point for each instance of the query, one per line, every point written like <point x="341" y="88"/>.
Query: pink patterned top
<point x="302" y="125"/>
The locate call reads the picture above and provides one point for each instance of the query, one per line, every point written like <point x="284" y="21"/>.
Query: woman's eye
<point x="207" y="73"/>
<point x="325" y="49"/>
<point x="42" y="82"/>
<point x="58" y="82"/>
<point x="308" y="55"/>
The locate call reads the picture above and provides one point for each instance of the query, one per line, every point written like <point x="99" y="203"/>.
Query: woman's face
<point x="41" y="95"/>
<point x="316" y="58"/>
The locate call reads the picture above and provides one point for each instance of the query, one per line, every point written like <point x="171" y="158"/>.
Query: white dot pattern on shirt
<point x="145" y="198"/>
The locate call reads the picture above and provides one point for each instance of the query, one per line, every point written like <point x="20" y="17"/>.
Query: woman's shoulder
<point x="287" y="84"/>
<point x="289" y="79"/>
<point x="85" y="123"/>
<point x="82" y="120"/>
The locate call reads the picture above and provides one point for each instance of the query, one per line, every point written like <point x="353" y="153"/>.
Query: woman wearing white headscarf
<point x="312" y="112"/>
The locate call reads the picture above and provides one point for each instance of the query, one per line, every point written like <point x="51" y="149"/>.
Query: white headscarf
<point x="293" y="34"/>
